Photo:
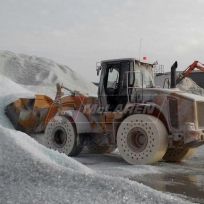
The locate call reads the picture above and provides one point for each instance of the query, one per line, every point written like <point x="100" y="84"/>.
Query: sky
<point x="79" y="33"/>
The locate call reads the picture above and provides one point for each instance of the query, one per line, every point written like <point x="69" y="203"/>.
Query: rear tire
<point x="60" y="135"/>
<point x="142" y="139"/>
<point x="111" y="149"/>
<point x="96" y="149"/>
<point x="175" y="155"/>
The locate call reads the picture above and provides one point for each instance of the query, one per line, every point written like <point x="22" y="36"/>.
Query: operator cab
<point x="119" y="77"/>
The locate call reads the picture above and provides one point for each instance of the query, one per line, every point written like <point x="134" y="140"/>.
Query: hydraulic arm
<point x="190" y="68"/>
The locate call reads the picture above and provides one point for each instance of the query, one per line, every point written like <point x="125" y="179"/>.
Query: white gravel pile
<point x="35" y="72"/>
<point x="190" y="86"/>
<point x="31" y="173"/>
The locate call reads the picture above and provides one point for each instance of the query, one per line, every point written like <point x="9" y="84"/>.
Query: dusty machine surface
<point x="145" y="123"/>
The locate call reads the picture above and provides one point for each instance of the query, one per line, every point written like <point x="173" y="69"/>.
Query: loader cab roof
<point x="129" y="59"/>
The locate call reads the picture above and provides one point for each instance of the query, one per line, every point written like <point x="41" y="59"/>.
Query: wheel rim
<point x="137" y="139"/>
<point x="59" y="137"/>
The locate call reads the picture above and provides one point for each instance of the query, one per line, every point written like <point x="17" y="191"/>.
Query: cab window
<point x="113" y="77"/>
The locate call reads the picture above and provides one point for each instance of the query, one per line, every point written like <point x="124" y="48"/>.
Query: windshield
<point x="143" y="72"/>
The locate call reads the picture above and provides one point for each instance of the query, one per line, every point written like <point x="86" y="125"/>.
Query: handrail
<point x="131" y="87"/>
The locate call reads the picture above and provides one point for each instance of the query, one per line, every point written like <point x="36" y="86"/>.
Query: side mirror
<point x="98" y="70"/>
<point x="98" y="67"/>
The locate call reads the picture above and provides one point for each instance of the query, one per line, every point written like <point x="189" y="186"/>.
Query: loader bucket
<point x="29" y="115"/>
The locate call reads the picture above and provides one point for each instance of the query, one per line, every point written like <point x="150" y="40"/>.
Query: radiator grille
<point x="200" y="111"/>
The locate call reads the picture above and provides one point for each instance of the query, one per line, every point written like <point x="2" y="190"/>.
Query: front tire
<point x="142" y="139"/>
<point x="60" y="135"/>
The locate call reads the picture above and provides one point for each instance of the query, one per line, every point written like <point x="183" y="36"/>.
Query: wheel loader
<point x="146" y="123"/>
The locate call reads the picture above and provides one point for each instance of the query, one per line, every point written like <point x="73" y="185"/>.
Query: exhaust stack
<point x="173" y="74"/>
